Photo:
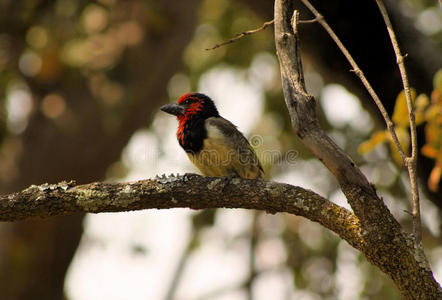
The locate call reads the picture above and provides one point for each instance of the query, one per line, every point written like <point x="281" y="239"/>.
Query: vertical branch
<point x="385" y="243"/>
<point x="360" y="74"/>
<point x="173" y="286"/>
<point x="254" y="232"/>
<point x="410" y="162"/>
<point x="302" y="111"/>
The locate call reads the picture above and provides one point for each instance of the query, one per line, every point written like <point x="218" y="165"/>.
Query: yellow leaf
<point x="437" y="80"/>
<point x="432" y="113"/>
<point x="433" y="134"/>
<point x="436" y="96"/>
<point x="434" y="178"/>
<point x="400" y="114"/>
<point x="422" y="102"/>
<point x="404" y="139"/>
<point x="429" y="151"/>
<point x="375" y="139"/>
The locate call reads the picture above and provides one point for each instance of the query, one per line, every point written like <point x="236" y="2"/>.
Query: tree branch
<point x="239" y="36"/>
<point x="302" y="110"/>
<point x="385" y="243"/>
<point x="198" y="192"/>
<point x="191" y="191"/>
<point x="410" y="162"/>
<point x="360" y="74"/>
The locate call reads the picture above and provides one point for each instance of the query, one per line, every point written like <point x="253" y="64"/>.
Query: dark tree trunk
<point x="35" y="254"/>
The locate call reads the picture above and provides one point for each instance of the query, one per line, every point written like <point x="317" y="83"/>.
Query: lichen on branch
<point x="188" y="191"/>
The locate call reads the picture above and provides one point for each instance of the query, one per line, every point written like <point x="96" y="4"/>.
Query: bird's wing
<point x="245" y="161"/>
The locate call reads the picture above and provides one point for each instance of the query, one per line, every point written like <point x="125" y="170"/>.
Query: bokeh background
<point x="80" y="87"/>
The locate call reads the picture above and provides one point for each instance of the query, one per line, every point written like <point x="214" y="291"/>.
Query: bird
<point x="213" y="144"/>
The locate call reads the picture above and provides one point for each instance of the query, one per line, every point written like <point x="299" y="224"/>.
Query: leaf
<point x="429" y="151"/>
<point x="375" y="139"/>
<point x="437" y="80"/>
<point x="433" y="134"/>
<point x="436" y="95"/>
<point x="400" y="114"/>
<point x="422" y="102"/>
<point x="432" y="113"/>
<point x="404" y="139"/>
<point x="434" y="178"/>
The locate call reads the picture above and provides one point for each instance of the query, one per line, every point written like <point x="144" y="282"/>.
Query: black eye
<point x="187" y="101"/>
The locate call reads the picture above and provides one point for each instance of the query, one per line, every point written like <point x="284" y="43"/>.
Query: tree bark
<point x="360" y="27"/>
<point x="191" y="190"/>
<point x="386" y="244"/>
<point x="198" y="192"/>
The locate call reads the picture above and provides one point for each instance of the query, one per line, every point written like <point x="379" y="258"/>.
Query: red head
<point x="190" y="108"/>
<point x="192" y="105"/>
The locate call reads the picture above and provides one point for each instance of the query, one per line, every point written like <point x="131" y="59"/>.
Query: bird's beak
<point x="173" y="109"/>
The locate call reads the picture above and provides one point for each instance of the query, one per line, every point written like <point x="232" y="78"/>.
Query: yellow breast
<point x="218" y="158"/>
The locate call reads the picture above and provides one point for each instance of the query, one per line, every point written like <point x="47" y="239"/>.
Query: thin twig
<point x="411" y="162"/>
<point x="374" y="216"/>
<point x="254" y="232"/>
<point x="308" y="21"/>
<point x="249" y="32"/>
<point x="358" y="72"/>
<point x="241" y="35"/>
